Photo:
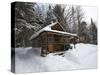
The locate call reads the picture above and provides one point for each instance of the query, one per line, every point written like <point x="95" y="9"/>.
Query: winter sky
<point x="90" y="12"/>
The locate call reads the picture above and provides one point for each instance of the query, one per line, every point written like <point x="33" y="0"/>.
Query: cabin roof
<point x="48" y="28"/>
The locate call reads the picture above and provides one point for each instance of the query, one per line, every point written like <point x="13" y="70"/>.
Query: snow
<point x="84" y="56"/>
<point x="48" y="28"/>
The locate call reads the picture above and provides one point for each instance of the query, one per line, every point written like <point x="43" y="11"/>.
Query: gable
<point x="57" y="27"/>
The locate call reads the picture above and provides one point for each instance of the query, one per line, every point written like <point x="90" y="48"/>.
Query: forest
<point x="31" y="17"/>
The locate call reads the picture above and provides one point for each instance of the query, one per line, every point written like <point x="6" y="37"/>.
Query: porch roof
<point x="48" y="28"/>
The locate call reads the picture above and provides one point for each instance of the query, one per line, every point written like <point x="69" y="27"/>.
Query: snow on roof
<point x="48" y="28"/>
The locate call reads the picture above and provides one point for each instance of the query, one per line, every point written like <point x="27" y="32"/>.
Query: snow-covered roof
<point x="48" y="28"/>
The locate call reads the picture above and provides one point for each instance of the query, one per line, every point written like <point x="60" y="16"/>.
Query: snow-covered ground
<point x="84" y="56"/>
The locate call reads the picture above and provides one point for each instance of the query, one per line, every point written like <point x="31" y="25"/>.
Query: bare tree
<point x="80" y="16"/>
<point x="68" y="17"/>
<point x="74" y="20"/>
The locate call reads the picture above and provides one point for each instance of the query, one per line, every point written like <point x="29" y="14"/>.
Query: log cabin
<point x="52" y="38"/>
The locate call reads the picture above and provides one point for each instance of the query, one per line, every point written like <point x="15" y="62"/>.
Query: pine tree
<point x="59" y="13"/>
<point x="50" y="15"/>
<point x="27" y="22"/>
<point x="93" y="32"/>
<point x="83" y="34"/>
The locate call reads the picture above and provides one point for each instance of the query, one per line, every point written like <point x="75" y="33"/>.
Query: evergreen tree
<point x="59" y="13"/>
<point x="50" y="15"/>
<point x="93" y="32"/>
<point x="83" y="34"/>
<point x="27" y="22"/>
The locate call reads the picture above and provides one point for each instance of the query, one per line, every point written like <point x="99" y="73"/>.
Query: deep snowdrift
<point x="84" y="56"/>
